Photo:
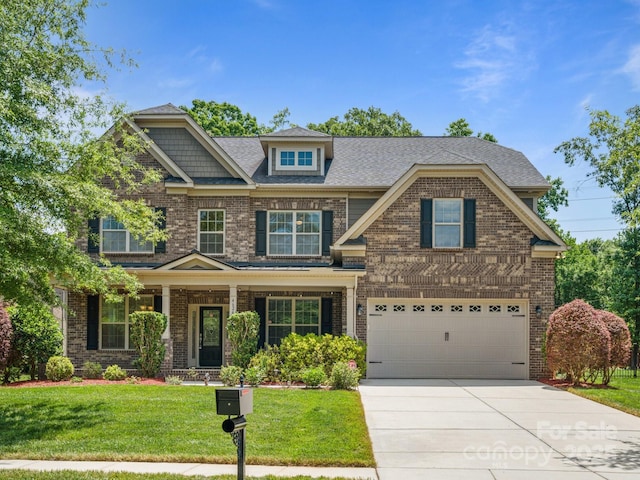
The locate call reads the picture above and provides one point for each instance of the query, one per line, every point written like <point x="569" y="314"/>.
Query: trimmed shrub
<point x="343" y="348"/>
<point x="173" y="380"/>
<point x="314" y="377"/>
<point x="5" y="338"/>
<point x="230" y="375"/>
<point x="299" y="353"/>
<point x="344" y="377"/>
<point x="268" y="361"/>
<point x="92" y="370"/>
<point x="114" y="373"/>
<point x="578" y="342"/>
<point x="146" y="335"/>
<point x="620" y="343"/>
<point x="59" y="368"/>
<point x="243" y="329"/>
<point x="254" y="376"/>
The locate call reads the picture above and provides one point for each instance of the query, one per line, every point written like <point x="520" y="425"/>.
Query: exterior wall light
<point x="359" y="309"/>
<point x="538" y="311"/>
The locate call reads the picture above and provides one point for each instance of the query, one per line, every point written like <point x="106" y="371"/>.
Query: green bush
<point x="243" y="329"/>
<point x="146" y="336"/>
<point x="114" y="372"/>
<point x="59" y="368"/>
<point x="230" y="375"/>
<point x="343" y="348"/>
<point x="314" y="377"/>
<point x="173" y="380"/>
<point x="268" y="361"/>
<point x="344" y="377"/>
<point x="254" y="376"/>
<point x="92" y="370"/>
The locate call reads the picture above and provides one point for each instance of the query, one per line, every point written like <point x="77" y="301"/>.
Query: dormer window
<point x="296" y="159"/>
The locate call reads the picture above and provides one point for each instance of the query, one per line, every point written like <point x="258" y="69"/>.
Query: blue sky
<point x="523" y="71"/>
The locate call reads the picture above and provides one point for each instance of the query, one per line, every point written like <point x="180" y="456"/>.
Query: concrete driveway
<point x="496" y="430"/>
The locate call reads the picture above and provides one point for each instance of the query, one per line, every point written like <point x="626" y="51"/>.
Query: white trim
<point x="296" y="158"/>
<point x="128" y="239"/>
<point x="294" y="234"/>
<point x="459" y="224"/>
<point x="293" y="324"/>
<point x="126" y="323"/>
<point x="223" y="232"/>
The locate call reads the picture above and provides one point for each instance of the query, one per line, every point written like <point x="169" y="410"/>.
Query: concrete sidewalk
<point x="496" y="430"/>
<point x="189" y="469"/>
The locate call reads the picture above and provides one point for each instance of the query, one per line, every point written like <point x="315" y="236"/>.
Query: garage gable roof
<point x="539" y="228"/>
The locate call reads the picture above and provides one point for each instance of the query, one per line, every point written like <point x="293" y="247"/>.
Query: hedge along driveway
<point x="179" y="424"/>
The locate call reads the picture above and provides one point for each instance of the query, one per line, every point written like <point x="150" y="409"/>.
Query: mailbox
<point x="234" y="401"/>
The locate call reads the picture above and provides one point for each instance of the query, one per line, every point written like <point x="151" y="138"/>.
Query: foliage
<point x="6" y="331"/>
<point x="133" y="380"/>
<point x="556" y="197"/>
<point x="620" y="351"/>
<point x="92" y="370"/>
<point x="173" y="380"/>
<point x="36" y="336"/>
<point x="343" y="377"/>
<point x="192" y="373"/>
<point x="254" y="376"/>
<point x="371" y="122"/>
<point x="230" y="375"/>
<point x="268" y="361"/>
<point x="223" y="119"/>
<point x="59" y="368"/>
<point x="314" y="377"/>
<point x="578" y="342"/>
<point x="342" y="348"/>
<point x="243" y="329"/>
<point x="121" y="422"/>
<point x="297" y="353"/>
<point x="460" y="128"/>
<point x="146" y="330"/>
<point x="114" y="373"/>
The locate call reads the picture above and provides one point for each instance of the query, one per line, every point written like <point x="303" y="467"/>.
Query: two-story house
<point x="427" y="248"/>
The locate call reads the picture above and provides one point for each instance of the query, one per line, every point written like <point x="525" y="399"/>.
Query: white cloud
<point x="216" y="66"/>
<point x="632" y="67"/>
<point x="492" y="59"/>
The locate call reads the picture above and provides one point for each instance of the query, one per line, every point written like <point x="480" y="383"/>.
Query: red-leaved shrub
<point x="620" y="343"/>
<point x="578" y="342"/>
<point x="5" y="337"/>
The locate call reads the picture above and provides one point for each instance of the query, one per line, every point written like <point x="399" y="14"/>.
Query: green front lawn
<point x="623" y="394"/>
<point x="72" y="475"/>
<point x="179" y="424"/>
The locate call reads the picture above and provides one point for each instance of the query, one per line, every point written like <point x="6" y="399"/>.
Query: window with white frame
<point x="447" y="225"/>
<point x="294" y="233"/>
<point x="291" y="315"/>
<point x="117" y="239"/>
<point x="114" y="321"/>
<point x="211" y="231"/>
<point x="296" y="160"/>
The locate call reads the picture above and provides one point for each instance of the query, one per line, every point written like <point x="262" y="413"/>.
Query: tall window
<point x="292" y="315"/>
<point x="447" y="214"/>
<point x="211" y="231"/>
<point x="117" y="239"/>
<point x="294" y="233"/>
<point x="114" y="321"/>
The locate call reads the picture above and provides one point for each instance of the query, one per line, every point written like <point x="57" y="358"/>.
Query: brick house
<point x="427" y="248"/>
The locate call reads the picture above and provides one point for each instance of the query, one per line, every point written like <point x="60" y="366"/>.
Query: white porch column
<point x="166" y="309"/>
<point x="351" y="312"/>
<point x="233" y="299"/>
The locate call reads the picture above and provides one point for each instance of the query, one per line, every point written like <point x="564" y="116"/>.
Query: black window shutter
<point x="326" y="320"/>
<point x="426" y="221"/>
<point x="261" y="233"/>
<point x="93" y="319"/>
<point x="157" y="303"/>
<point x="161" y="247"/>
<point x="261" y="309"/>
<point x="94" y="235"/>
<point x="469" y="234"/>
<point x="327" y="231"/>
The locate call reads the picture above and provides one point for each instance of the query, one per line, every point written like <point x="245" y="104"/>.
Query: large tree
<point x="612" y="150"/>
<point x="460" y="128"/>
<point x="51" y="163"/>
<point x="371" y="122"/>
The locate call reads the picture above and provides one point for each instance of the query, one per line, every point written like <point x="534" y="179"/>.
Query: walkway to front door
<point x="496" y="429"/>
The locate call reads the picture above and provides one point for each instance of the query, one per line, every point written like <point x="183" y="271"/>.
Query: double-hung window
<point x="447" y="224"/>
<point x="291" y="315"/>
<point x="114" y="321"/>
<point x="294" y="233"/>
<point x="211" y="231"/>
<point x="117" y="239"/>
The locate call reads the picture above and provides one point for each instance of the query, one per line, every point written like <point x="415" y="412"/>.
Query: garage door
<point x="447" y="339"/>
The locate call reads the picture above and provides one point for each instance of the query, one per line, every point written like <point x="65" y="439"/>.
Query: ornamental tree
<point x="578" y="342"/>
<point x="5" y="338"/>
<point x="620" y="343"/>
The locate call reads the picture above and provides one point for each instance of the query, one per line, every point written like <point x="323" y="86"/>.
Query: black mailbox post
<point x="239" y="402"/>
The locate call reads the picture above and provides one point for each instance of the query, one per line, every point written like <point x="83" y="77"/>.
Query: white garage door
<point x="447" y="339"/>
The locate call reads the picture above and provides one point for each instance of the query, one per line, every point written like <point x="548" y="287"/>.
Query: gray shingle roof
<point x="380" y="161"/>
<point x="296" y="132"/>
<point x="168" y="109"/>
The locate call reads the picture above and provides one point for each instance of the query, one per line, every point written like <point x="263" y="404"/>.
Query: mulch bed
<point x="563" y="384"/>
<point x="85" y="381"/>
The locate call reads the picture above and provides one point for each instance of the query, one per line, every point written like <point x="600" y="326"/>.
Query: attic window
<point x="296" y="160"/>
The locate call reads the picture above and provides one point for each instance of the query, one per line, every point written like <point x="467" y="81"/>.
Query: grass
<point x="623" y="394"/>
<point x="179" y="424"/>
<point x="73" y="475"/>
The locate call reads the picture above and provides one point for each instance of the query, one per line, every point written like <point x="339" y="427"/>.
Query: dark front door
<point x="210" y="336"/>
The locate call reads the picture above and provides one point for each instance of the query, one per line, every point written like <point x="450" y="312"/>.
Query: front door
<point x="210" y="336"/>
